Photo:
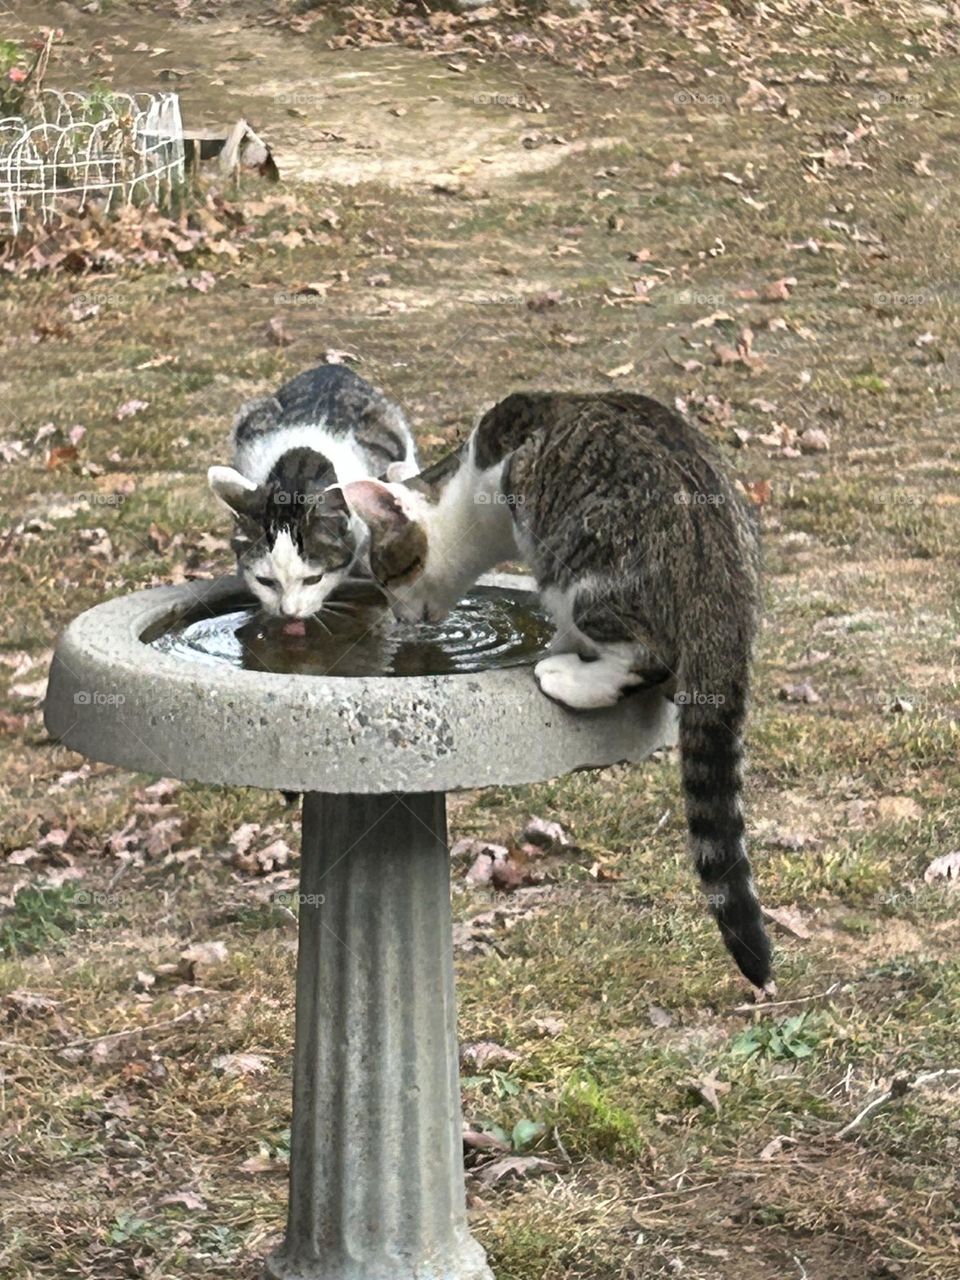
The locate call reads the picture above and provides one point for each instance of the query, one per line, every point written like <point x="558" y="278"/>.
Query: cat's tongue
<point x="295" y="627"/>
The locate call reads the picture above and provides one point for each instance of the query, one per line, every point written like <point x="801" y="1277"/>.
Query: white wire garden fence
<point x="103" y="149"/>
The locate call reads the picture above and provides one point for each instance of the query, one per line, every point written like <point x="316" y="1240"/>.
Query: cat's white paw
<point x="579" y="685"/>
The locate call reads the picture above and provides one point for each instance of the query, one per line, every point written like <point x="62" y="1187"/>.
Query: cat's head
<point x="404" y="548"/>
<point x="293" y="549"/>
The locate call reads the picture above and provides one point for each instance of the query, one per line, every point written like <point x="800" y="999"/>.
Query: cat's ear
<point x="326" y="505"/>
<point x="382" y="506"/>
<point x="241" y="495"/>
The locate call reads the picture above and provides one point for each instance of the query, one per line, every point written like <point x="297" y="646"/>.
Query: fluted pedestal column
<point x="376" y="1171"/>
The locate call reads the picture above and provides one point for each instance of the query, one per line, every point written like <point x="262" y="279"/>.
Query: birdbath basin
<point x="184" y="681"/>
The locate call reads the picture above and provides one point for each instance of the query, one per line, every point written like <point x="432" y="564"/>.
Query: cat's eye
<point x="267" y="582"/>
<point x="405" y="573"/>
<point x="314" y="580"/>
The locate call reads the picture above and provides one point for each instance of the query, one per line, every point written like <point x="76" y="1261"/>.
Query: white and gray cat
<point x="295" y="537"/>
<point x="647" y="558"/>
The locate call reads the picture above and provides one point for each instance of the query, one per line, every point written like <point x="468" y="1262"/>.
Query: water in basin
<point x="489" y="628"/>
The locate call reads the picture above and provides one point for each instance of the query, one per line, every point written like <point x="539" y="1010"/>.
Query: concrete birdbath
<point x="161" y="682"/>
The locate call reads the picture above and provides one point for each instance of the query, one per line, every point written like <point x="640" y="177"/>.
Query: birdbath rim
<point x="114" y="698"/>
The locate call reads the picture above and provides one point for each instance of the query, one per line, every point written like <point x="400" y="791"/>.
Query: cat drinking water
<point x="295" y="537"/>
<point x="647" y="559"/>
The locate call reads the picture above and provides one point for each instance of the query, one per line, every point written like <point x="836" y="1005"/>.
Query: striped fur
<point x="647" y="558"/>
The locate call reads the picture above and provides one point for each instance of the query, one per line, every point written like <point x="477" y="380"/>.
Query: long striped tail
<point x="711" y="755"/>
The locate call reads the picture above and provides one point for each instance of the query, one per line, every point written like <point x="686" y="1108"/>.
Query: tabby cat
<point x="646" y="557"/>
<point x="295" y="538"/>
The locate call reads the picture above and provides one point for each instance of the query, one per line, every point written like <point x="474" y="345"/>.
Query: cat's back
<point x="634" y="473"/>
<point x="328" y="409"/>
<point x="607" y="439"/>
<point x="331" y="395"/>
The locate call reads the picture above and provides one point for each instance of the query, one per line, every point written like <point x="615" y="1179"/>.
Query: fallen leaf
<point x="484" y="1054"/>
<point x="272" y="857"/>
<point x="549" y="1026"/>
<point x="776" y="1146"/>
<point x="802" y="692"/>
<point x="789" y="919"/>
<point x="264" y="1164"/>
<point x="131" y="407"/>
<point x="244" y="836"/>
<point x="185" y="1199"/>
<point x="34" y="691"/>
<point x="514" y="1167"/>
<point x="276" y="334"/>
<point x="61" y="456"/>
<point x="197" y="959"/>
<point x="240" y="1064"/>
<point x="203" y="282"/>
<point x="475" y="1139"/>
<point x="543" y="832"/>
<point x="758" y="491"/>
<point x="511" y="872"/>
<point x="158" y="538"/>
<point x="709" y="1089"/>
<point x="28" y="1004"/>
<point x="898" y="809"/>
<point x="946" y="867"/>
<point x="162" y="836"/>
<point x="541" y="301"/>
<point x="813" y="440"/>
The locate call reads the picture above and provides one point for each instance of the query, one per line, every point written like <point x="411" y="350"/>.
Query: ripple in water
<point x="489" y="628"/>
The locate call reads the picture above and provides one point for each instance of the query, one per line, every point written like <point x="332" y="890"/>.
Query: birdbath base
<point x="376" y="1168"/>
<point x="376" y="1176"/>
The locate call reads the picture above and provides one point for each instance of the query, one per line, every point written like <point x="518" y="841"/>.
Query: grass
<point x="126" y="1156"/>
